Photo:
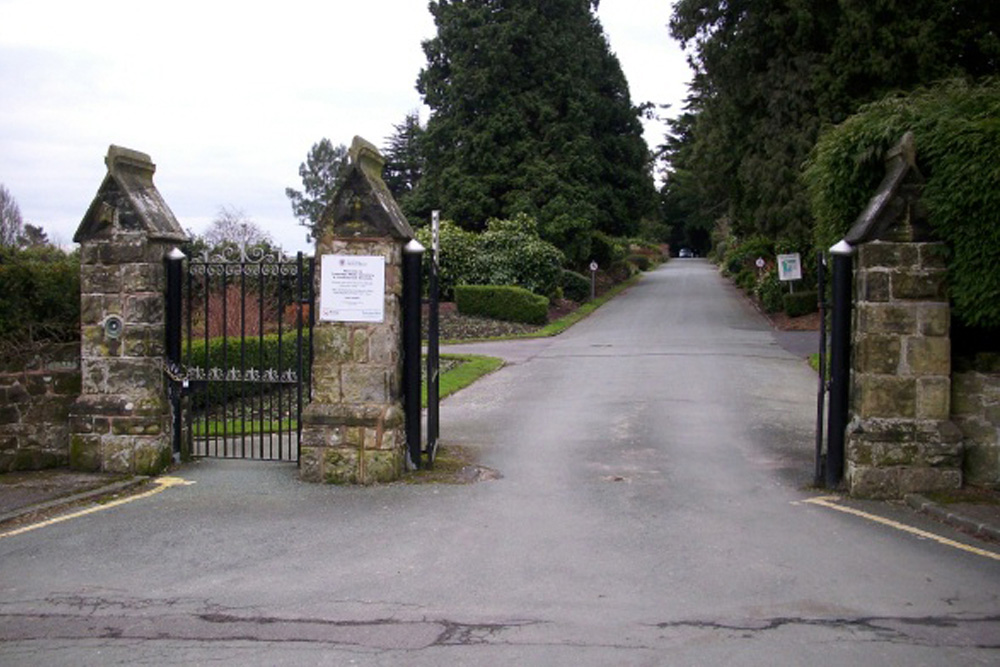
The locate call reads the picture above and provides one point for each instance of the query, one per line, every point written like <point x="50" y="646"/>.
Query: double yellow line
<point x="162" y="483"/>
<point x="830" y="502"/>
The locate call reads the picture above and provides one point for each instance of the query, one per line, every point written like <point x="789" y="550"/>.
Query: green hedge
<point x="956" y="127"/>
<point x="801" y="303"/>
<point x="39" y="295"/>
<point x="226" y="353"/>
<point x="575" y="286"/>
<point x="502" y="302"/>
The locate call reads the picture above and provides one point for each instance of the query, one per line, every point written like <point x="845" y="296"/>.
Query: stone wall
<point x="901" y="439"/>
<point x="976" y="410"/>
<point x="36" y="393"/>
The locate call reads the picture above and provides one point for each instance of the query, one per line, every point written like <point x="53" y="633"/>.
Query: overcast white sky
<point x="227" y="96"/>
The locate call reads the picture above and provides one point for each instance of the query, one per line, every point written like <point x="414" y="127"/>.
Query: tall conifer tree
<point x="531" y="114"/>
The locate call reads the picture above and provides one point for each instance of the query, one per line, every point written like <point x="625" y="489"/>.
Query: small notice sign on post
<point x="352" y="288"/>
<point x="789" y="267"/>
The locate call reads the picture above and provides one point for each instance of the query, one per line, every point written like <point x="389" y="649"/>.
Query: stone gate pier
<point x="353" y="431"/>
<point x="121" y="421"/>
<point x="901" y="438"/>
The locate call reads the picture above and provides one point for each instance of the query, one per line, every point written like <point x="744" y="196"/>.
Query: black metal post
<point x="412" y="257"/>
<point x="174" y="297"/>
<point x="821" y="392"/>
<point x="433" y="346"/>
<point x="840" y="361"/>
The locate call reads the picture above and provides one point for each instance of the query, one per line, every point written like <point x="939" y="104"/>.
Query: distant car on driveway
<point x="685" y="253"/>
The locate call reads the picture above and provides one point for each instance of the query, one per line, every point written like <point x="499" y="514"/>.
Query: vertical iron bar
<point x="259" y="382"/>
<point x="225" y="360"/>
<point x="188" y="359"/>
<point x="412" y="256"/>
<point x="281" y="356"/>
<point x="206" y="407"/>
<point x="299" y="373"/>
<point x="243" y="360"/>
<point x="840" y="361"/>
<point x="821" y="391"/>
<point x="175" y="261"/>
<point x="433" y="349"/>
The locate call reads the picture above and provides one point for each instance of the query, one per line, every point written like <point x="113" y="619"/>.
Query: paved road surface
<point x="653" y="510"/>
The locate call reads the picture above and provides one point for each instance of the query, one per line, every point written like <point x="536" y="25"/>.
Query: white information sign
<point x="790" y="267"/>
<point x="352" y="288"/>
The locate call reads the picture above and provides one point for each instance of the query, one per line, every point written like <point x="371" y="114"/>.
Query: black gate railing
<point x="246" y="353"/>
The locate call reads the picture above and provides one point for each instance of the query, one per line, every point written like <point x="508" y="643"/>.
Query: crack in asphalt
<point x="886" y="628"/>
<point x="975" y="632"/>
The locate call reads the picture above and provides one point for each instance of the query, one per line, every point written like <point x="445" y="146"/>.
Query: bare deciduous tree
<point x="10" y="219"/>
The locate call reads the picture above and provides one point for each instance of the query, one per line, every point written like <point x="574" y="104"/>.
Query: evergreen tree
<point x="769" y="74"/>
<point x="531" y="114"/>
<point x="320" y="176"/>
<point x="403" y="160"/>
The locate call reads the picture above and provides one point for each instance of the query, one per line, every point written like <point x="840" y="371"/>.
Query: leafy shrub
<point x="607" y="250"/>
<point x="742" y="256"/>
<point x="575" y="286"/>
<point x="509" y="252"/>
<point x="502" y="302"/>
<point x="769" y="291"/>
<point x="39" y="295"/>
<point x="956" y="127"/>
<point x="801" y="303"/>
<point x="641" y="262"/>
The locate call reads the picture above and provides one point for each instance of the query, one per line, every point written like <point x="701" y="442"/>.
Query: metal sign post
<point x="433" y="357"/>
<point x="593" y="280"/>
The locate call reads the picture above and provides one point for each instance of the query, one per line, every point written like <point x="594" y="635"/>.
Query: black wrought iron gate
<point x="245" y="354"/>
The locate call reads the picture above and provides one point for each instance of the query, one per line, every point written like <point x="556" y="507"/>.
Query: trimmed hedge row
<point x="271" y="352"/>
<point x="502" y="302"/>
<point x="801" y="303"/>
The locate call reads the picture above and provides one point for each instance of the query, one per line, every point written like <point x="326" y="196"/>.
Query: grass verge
<point x="563" y="323"/>
<point x="471" y="368"/>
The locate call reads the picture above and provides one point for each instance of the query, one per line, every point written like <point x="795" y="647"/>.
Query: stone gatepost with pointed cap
<point x="901" y="438"/>
<point x="353" y="431"/>
<point x="121" y="421"/>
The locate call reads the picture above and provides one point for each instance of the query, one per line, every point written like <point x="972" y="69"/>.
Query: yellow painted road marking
<point x="830" y="502"/>
<point x="162" y="483"/>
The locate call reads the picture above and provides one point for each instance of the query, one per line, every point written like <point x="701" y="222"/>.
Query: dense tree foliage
<point x="531" y="114"/>
<point x="320" y="175"/>
<point x="404" y="163"/>
<point x="769" y="74"/>
<point x="957" y="134"/>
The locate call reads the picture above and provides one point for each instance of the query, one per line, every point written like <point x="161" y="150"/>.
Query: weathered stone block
<point x="382" y="466"/>
<point x="878" y="353"/>
<point x="966" y="393"/>
<point x="341" y="466"/>
<point x="934" y="398"/>
<point x="981" y="464"/>
<point x="919" y="285"/>
<point x="366" y="383"/>
<point x="332" y="343"/>
<point x="928" y="356"/>
<point x="118" y="454"/>
<point x="886" y="254"/>
<point x="883" y="318"/>
<point x="928" y="480"/>
<point x="875" y="483"/>
<point x="144" y="277"/>
<point x="359" y="346"/>
<point x="887" y="397"/>
<point x="934" y="319"/>
<point x="144" y="309"/>
<point x="873" y="286"/>
<point x="151" y="456"/>
<point x="85" y="452"/>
